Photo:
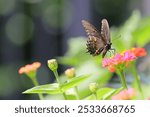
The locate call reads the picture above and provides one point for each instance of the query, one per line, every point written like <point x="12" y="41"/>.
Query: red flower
<point x="125" y="95"/>
<point x="29" y="68"/>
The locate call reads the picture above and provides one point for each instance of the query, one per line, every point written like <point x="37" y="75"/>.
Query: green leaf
<point x="74" y="82"/>
<point x="90" y="97"/>
<point x="71" y="94"/>
<point x="47" y="89"/>
<point x="111" y="93"/>
<point x="102" y="92"/>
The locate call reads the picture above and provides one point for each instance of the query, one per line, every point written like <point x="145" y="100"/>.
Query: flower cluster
<point x="29" y="68"/>
<point x="119" y="61"/>
<point x="125" y="95"/>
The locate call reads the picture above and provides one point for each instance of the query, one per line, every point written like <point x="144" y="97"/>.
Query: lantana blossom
<point x="119" y="61"/>
<point x="139" y="52"/>
<point x="29" y="68"/>
<point x="127" y="94"/>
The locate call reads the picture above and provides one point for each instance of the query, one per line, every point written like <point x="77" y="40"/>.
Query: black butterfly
<point x="98" y="42"/>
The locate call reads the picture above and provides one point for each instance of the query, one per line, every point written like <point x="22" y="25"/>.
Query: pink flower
<point x="119" y="61"/>
<point x="106" y="62"/>
<point x="128" y="56"/>
<point x="125" y="95"/>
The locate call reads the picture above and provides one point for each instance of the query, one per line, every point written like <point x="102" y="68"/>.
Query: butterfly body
<point x="98" y="41"/>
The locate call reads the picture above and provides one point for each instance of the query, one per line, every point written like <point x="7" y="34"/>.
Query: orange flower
<point x="138" y="52"/>
<point x="29" y="68"/>
<point x="125" y="95"/>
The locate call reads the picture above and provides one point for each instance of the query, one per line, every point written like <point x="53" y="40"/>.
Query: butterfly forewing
<point x="90" y="29"/>
<point x="95" y="43"/>
<point x="105" y="33"/>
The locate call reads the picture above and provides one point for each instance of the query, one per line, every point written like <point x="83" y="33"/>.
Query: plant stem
<point x="137" y="79"/>
<point x="95" y="94"/>
<point x="57" y="78"/>
<point x="77" y="93"/>
<point x="122" y="78"/>
<point x="35" y="82"/>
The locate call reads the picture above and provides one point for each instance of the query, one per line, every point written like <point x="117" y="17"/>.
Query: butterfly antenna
<point x="117" y="37"/>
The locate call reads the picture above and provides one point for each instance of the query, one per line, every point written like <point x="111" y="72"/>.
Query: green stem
<point x="35" y="82"/>
<point x="95" y="94"/>
<point x="65" y="97"/>
<point x="137" y="79"/>
<point x="122" y="78"/>
<point x="57" y="78"/>
<point x="77" y="93"/>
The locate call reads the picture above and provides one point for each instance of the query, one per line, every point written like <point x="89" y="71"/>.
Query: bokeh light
<point x="32" y="1"/>
<point x="57" y="15"/>
<point x="7" y="6"/>
<point x="19" y="28"/>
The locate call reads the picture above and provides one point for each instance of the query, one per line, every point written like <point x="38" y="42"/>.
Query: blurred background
<point x="38" y="30"/>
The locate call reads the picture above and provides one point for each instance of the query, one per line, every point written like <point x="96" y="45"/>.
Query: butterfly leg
<point x="109" y="52"/>
<point x="104" y="53"/>
<point x="113" y="50"/>
<point x="98" y="51"/>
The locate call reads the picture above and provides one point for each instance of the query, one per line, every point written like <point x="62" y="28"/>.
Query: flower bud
<point x="93" y="87"/>
<point x="52" y="64"/>
<point x="70" y="73"/>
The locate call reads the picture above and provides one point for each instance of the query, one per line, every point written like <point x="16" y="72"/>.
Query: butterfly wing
<point x="105" y="33"/>
<point x="95" y="43"/>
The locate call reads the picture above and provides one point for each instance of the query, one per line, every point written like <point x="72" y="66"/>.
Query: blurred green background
<point x="38" y="30"/>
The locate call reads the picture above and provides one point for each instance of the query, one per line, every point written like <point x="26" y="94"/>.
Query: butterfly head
<point x="108" y="46"/>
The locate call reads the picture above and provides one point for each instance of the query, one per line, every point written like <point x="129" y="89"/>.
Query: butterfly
<point x="98" y="41"/>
